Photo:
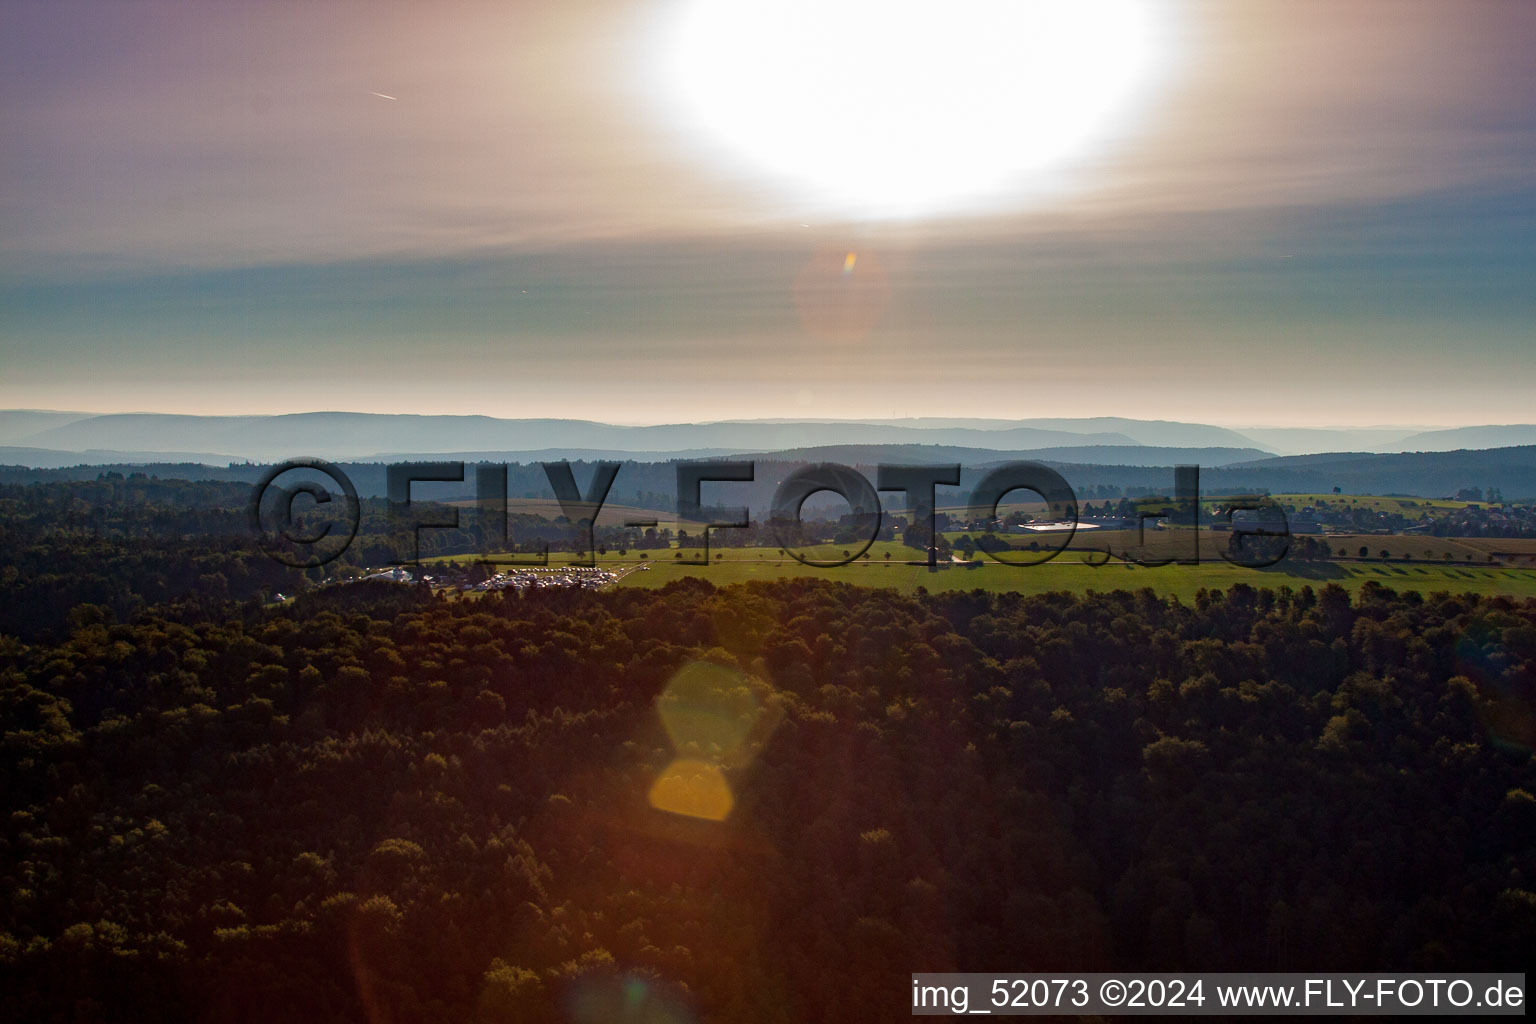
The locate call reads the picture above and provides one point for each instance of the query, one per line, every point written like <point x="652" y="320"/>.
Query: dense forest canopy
<point x="373" y="804"/>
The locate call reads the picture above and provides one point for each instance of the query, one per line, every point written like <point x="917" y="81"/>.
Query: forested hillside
<point x="376" y="805"/>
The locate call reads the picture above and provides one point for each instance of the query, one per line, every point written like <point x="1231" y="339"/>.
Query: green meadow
<point x="1067" y="572"/>
<point x="1415" y="562"/>
<point x="1375" y="502"/>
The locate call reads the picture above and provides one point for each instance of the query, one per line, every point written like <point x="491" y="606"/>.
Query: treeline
<point x="375" y="805"/>
<point x="114" y="506"/>
<point x="118" y="546"/>
<point x="129" y="544"/>
<point x="124" y="545"/>
<point x="49" y="585"/>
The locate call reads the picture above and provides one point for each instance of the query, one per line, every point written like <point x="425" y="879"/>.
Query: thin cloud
<point x="226" y="136"/>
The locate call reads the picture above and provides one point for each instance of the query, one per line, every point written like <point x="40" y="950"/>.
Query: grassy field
<point x="1515" y="545"/>
<point x="1417" y="547"/>
<point x="1415" y="562"/>
<point x="617" y="515"/>
<point x="1379" y="504"/>
<point x="1066" y="572"/>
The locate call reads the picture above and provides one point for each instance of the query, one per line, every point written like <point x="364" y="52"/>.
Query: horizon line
<point x="809" y="418"/>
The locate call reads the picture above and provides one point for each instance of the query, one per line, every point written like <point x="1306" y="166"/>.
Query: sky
<point x="1288" y="213"/>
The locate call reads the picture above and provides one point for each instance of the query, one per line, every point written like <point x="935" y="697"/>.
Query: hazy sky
<point x="1301" y="212"/>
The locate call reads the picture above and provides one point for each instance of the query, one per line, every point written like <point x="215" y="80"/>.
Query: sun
<point x="899" y="108"/>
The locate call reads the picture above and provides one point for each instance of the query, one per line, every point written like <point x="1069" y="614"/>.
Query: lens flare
<point x="694" y="788"/>
<point x="716" y="720"/>
<point x="625" y="999"/>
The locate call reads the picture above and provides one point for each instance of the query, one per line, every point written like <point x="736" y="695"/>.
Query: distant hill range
<point x="1096" y="455"/>
<point x="49" y="458"/>
<point x="1103" y="472"/>
<point x="61" y="438"/>
<point x="363" y="436"/>
<point x="1429" y="474"/>
<point x="1459" y="438"/>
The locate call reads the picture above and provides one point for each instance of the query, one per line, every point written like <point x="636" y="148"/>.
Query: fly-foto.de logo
<point x="305" y="523"/>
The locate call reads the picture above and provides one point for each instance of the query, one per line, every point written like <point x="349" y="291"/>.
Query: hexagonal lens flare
<point x="693" y="788"/>
<point x="716" y="719"/>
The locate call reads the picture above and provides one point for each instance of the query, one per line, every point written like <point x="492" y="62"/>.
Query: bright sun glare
<point x="900" y="108"/>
